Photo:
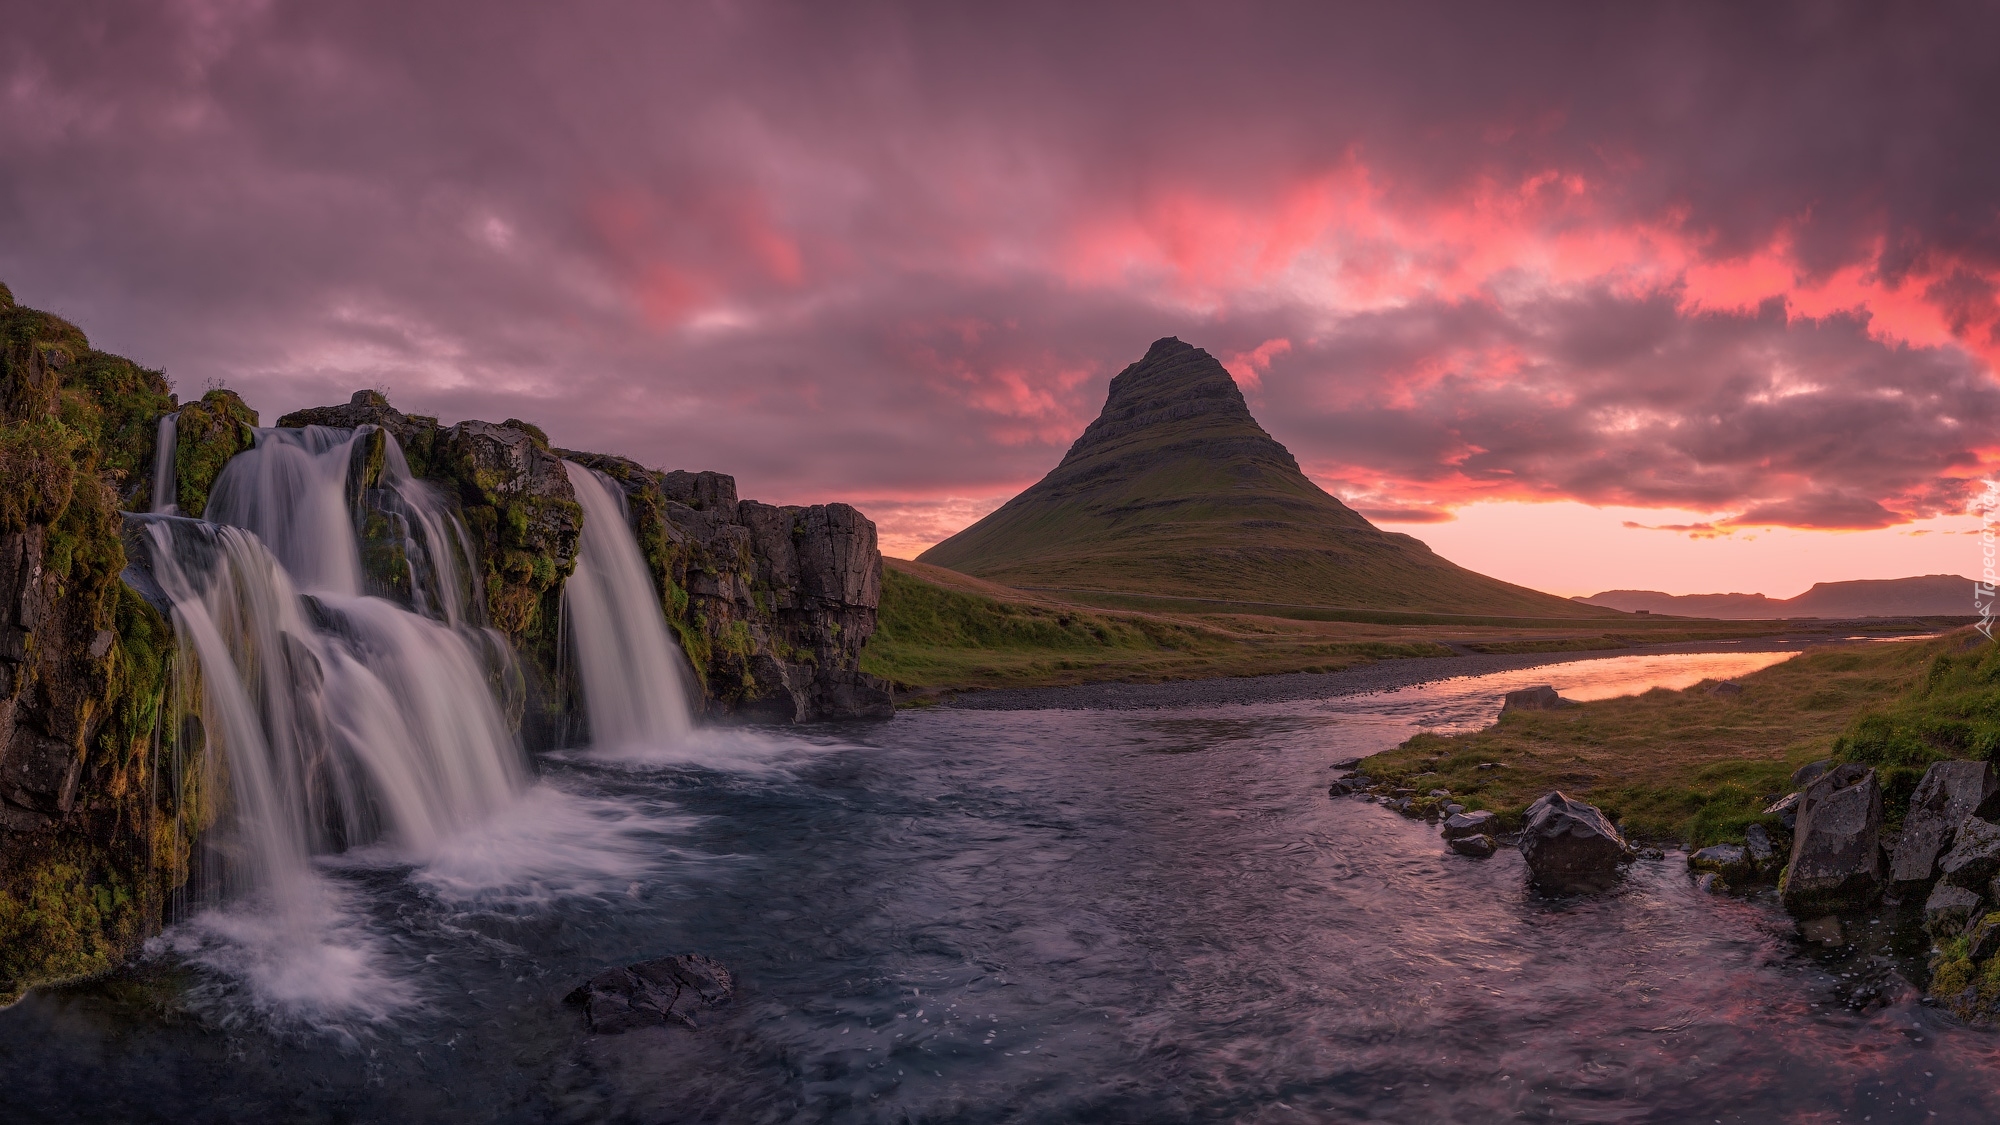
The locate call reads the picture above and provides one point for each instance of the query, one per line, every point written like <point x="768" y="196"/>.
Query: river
<point x="997" y="916"/>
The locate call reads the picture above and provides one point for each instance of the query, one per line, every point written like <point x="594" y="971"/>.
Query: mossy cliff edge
<point x="102" y="784"/>
<point x="105" y="786"/>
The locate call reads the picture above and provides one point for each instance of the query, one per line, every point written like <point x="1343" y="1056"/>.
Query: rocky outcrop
<point x="93" y="838"/>
<point x="1836" y="859"/>
<point x="653" y="993"/>
<point x="1949" y="793"/>
<point x="1571" y="846"/>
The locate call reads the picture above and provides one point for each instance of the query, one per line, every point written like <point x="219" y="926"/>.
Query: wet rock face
<point x="1836" y="859"/>
<point x="1948" y="794"/>
<point x="1571" y="846"/>
<point x="669" y="990"/>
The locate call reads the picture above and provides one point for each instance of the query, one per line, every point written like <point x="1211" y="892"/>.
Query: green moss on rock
<point x="94" y="844"/>
<point x="210" y="432"/>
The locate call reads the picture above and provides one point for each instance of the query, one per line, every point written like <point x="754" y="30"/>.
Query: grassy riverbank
<point x="942" y="631"/>
<point x="939" y="630"/>
<point x="1694" y="767"/>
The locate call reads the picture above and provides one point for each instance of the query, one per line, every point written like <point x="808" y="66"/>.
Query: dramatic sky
<point x="1688" y="297"/>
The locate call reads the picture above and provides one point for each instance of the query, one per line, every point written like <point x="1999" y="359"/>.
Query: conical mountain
<point x="1175" y="489"/>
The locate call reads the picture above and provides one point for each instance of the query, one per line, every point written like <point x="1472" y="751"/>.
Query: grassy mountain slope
<point x="1175" y="489"/>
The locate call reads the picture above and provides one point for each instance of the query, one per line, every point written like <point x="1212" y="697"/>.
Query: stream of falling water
<point x="352" y="708"/>
<point x="634" y="688"/>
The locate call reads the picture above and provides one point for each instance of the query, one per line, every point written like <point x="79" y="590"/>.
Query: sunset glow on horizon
<point x="1578" y="312"/>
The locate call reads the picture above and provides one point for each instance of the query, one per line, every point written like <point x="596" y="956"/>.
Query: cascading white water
<point x="634" y="690"/>
<point x="164" y="446"/>
<point x="343" y="718"/>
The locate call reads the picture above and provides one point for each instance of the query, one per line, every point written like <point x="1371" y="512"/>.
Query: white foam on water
<point x="550" y="846"/>
<point x="725" y="750"/>
<point x="314" y="966"/>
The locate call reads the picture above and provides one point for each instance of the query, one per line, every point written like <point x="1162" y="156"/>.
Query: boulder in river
<point x="1478" y="847"/>
<point x="652" y="993"/>
<point x="1570" y="845"/>
<point x="1948" y="794"/>
<point x="1949" y="910"/>
<point x="1542" y="698"/>
<point x="1836" y="852"/>
<point x="1460" y="825"/>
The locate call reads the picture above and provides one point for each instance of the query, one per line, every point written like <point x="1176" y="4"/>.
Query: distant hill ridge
<point x="1928" y="595"/>
<point x="1175" y="489"/>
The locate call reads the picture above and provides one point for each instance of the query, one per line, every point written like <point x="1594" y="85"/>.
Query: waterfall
<point x="163" y="464"/>
<point x="634" y="690"/>
<point x="342" y="718"/>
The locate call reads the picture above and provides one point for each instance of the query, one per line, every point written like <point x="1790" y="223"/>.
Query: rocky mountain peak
<point x="1175" y="385"/>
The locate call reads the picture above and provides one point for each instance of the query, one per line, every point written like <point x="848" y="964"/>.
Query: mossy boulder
<point x="210" y="432"/>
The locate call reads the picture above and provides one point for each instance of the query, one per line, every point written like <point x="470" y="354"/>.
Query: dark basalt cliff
<point x="1176" y="490"/>
<point x="104" y="790"/>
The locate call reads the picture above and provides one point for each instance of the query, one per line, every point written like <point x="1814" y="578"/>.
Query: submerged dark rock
<point x="653" y="993"/>
<point x="1542" y="698"/>
<point x="1479" y="847"/>
<point x="1836" y="859"/>
<point x="1571" y="845"/>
